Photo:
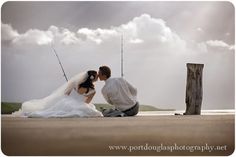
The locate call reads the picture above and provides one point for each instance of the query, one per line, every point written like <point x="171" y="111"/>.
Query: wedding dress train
<point x="58" y="104"/>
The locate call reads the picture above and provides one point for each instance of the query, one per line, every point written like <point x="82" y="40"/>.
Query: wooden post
<point x="194" y="91"/>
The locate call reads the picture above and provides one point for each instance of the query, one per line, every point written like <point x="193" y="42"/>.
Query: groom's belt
<point x="131" y="108"/>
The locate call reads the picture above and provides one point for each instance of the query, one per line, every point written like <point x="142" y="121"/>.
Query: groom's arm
<point x="132" y="89"/>
<point x="106" y="97"/>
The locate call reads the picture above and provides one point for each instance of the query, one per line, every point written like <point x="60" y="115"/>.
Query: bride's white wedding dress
<point x="58" y="104"/>
<point x="68" y="106"/>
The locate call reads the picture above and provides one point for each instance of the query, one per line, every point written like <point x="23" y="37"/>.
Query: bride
<point x="70" y="100"/>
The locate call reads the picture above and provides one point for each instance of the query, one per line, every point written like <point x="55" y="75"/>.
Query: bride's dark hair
<point x="88" y="83"/>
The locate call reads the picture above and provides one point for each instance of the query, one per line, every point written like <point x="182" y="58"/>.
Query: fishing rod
<point x="122" y="56"/>
<point x="64" y="74"/>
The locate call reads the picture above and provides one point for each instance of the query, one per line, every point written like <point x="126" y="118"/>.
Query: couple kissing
<point x="73" y="99"/>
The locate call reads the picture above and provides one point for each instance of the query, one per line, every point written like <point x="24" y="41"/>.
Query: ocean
<point x="203" y="112"/>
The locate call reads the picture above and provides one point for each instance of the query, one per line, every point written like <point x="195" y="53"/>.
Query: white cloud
<point x="8" y="33"/>
<point x="151" y="32"/>
<point x="69" y="37"/>
<point x="34" y="36"/>
<point x="39" y="37"/>
<point x="149" y="29"/>
<point x="92" y="35"/>
<point x="63" y="35"/>
<point x="219" y="44"/>
<point x="136" y="41"/>
<point x="199" y="29"/>
<point x="97" y="35"/>
<point x="141" y="29"/>
<point x="232" y="47"/>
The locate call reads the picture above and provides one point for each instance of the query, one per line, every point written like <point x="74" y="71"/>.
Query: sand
<point x="142" y="135"/>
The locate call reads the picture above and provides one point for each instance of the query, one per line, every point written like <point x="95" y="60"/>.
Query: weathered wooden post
<point x="194" y="91"/>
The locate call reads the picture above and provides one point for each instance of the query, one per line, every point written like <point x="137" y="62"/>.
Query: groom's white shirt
<point x="120" y="93"/>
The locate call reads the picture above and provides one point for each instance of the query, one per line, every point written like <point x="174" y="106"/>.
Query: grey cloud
<point x="182" y="17"/>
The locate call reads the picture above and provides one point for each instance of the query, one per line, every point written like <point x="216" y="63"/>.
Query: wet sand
<point x="142" y="135"/>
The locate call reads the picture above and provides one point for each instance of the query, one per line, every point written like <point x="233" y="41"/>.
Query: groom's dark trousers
<point x="117" y="113"/>
<point x="132" y="111"/>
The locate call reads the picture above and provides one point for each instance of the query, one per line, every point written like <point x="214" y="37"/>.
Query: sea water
<point x="203" y="112"/>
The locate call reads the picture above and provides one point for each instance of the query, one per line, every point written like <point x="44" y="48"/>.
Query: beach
<point x="139" y="135"/>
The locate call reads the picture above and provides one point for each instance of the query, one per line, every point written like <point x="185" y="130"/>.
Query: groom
<point x="118" y="92"/>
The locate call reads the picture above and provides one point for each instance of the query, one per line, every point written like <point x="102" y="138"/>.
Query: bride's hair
<point x="88" y="83"/>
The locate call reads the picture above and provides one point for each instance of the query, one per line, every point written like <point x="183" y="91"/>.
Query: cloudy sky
<point x="159" y="39"/>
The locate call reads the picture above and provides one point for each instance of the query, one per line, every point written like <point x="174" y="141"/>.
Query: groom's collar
<point x="107" y="80"/>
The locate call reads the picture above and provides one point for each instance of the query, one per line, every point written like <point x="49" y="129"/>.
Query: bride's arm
<point x="90" y="97"/>
<point x="82" y="90"/>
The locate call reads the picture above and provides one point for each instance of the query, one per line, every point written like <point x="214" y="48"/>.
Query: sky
<point x="159" y="39"/>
